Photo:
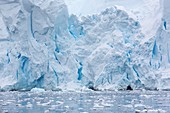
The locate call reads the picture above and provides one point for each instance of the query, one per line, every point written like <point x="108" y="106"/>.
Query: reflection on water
<point x="85" y="102"/>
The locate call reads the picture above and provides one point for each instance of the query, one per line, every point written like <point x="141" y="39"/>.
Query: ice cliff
<point x="110" y="45"/>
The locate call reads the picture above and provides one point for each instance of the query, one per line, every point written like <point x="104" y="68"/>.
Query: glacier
<point x="59" y="45"/>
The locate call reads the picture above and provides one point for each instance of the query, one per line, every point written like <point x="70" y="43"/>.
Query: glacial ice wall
<point x="161" y="51"/>
<point x="44" y="46"/>
<point x="28" y="42"/>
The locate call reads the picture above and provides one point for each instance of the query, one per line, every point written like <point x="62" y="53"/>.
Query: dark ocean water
<point x="85" y="102"/>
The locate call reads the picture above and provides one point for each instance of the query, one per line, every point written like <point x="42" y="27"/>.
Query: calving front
<point x="114" y="47"/>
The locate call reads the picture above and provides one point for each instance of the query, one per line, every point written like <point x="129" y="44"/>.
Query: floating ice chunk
<point x="29" y="105"/>
<point x="37" y="90"/>
<point x="47" y="111"/>
<point x="98" y="105"/>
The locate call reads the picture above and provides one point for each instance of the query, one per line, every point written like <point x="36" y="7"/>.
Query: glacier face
<point x="29" y="44"/>
<point x="160" y="54"/>
<point x="45" y="45"/>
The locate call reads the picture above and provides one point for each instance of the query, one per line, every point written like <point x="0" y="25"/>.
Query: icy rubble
<point x="42" y="46"/>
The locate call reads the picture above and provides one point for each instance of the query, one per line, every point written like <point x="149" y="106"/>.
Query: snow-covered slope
<point x="109" y="44"/>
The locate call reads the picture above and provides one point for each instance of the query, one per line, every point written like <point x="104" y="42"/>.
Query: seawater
<point x="85" y="102"/>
